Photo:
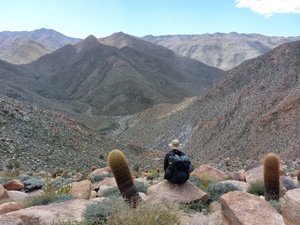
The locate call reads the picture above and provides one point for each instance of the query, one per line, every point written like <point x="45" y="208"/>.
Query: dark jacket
<point x="173" y="151"/>
<point x="177" y="173"/>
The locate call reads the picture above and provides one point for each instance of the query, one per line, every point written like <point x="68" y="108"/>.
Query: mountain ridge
<point x="244" y="114"/>
<point x="221" y="50"/>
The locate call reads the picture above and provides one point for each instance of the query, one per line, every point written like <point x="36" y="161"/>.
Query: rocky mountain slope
<point x="46" y="140"/>
<point x="22" y="47"/>
<point x="120" y="81"/>
<point x="254" y="109"/>
<point x="221" y="50"/>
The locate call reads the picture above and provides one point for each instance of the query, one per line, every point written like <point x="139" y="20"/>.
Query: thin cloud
<point x="270" y="7"/>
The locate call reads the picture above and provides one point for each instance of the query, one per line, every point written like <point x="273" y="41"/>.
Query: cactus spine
<point x="271" y="176"/>
<point x="119" y="166"/>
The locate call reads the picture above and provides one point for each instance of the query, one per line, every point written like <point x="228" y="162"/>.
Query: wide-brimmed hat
<point x="175" y="144"/>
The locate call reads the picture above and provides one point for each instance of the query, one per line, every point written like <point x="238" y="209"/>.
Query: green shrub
<point x="205" y="182"/>
<point x="257" y="188"/>
<point x="98" y="213"/>
<point x="276" y="205"/>
<point x="58" y="186"/>
<point x="136" y="167"/>
<point x="117" y="212"/>
<point x="33" y="184"/>
<point x="216" y="190"/>
<point x="98" y="178"/>
<point x="141" y="187"/>
<point x="111" y="192"/>
<point x="196" y="180"/>
<point x="46" y="199"/>
<point x="62" y="198"/>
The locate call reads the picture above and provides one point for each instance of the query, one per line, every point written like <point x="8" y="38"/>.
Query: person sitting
<point x="177" y="164"/>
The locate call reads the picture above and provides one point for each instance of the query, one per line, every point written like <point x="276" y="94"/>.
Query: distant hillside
<point x="254" y="109"/>
<point x="221" y="50"/>
<point x="46" y="140"/>
<point x="120" y="81"/>
<point x="22" y="47"/>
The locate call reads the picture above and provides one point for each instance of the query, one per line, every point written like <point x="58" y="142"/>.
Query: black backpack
<point x="179" y="168"/>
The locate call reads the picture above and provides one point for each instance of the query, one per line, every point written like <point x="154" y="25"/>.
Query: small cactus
<point x="271" y="176"/>
<point x="119" y="166"/>
<point x="298" y="176"/>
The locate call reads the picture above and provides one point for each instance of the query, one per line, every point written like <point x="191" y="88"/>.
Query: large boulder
<point x="254" y="172"/>
<point x="209" y="172"/>
<point x="13" y="185"/>
<point x="9" y="207"/>
<point x="181" y="194"/>
<point x="243" y="208"/>
<point x="11" y="221"/>
<point x="81" y="189"/>
<point x="17" y="195"/>
<point x="101" y="171"/>
<point x="57" y="213"/>
<point x="3" y="193"/>
<point x="291" y="207"/>
<point x="104" y="185"/>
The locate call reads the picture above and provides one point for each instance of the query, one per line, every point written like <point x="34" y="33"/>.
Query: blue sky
<point x="80" y="18"/>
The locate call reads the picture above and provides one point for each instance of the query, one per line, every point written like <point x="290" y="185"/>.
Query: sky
<point x="101" y="18"/>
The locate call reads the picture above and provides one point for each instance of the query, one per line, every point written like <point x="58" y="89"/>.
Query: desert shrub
<point x="46" y="199"/>
<point x="136" y="167"/>
<point x="257" y="188"/>
<point x="117" y="212"/>
<point x="205" y="182"/>
<point x="98" y="213"/>
<point x="98" y="178"/>
<point x="111" y="192"/>
<point x="62" y="198"/>
<point x="32" y="184"/>
<point x="198" y="206"/>
<point x="62" y="182"/>
<point x="154" y="175"/>
<point x="216" y="190"/>
<point x="58" y="186"/>
<point x="25" y="177"/>
<point x="84" y="222"/>
<point x="145" y="214"/>
<point x="141" y="187"/>
<point x="276" y="205"/>
<point x="196" y="180"/>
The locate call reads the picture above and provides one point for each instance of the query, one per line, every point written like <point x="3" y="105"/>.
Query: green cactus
<point x="119" y="166"/>
<point x="271" y="176"/>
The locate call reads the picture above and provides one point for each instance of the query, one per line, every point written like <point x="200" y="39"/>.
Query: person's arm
<point x="166" y="159"/>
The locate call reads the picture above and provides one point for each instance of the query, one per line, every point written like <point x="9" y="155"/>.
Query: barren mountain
<point x="224" y="51"/>
<point x="46" y="140"/>
<point x="22" y="47"/>
<point x="254" y="109"/>
<point x="120" y="81"/>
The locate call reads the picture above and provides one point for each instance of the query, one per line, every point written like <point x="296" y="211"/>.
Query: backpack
<point x="179" y="168"/>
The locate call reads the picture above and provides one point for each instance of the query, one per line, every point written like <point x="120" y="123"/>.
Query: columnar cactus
<point x="271" y="176"/>
<point x="119" y="166"/>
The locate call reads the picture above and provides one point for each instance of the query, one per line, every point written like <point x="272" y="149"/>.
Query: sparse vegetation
<point x="116" y="212"/>
<point x="257" y="188"/>
<point x="216" y="190"/>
